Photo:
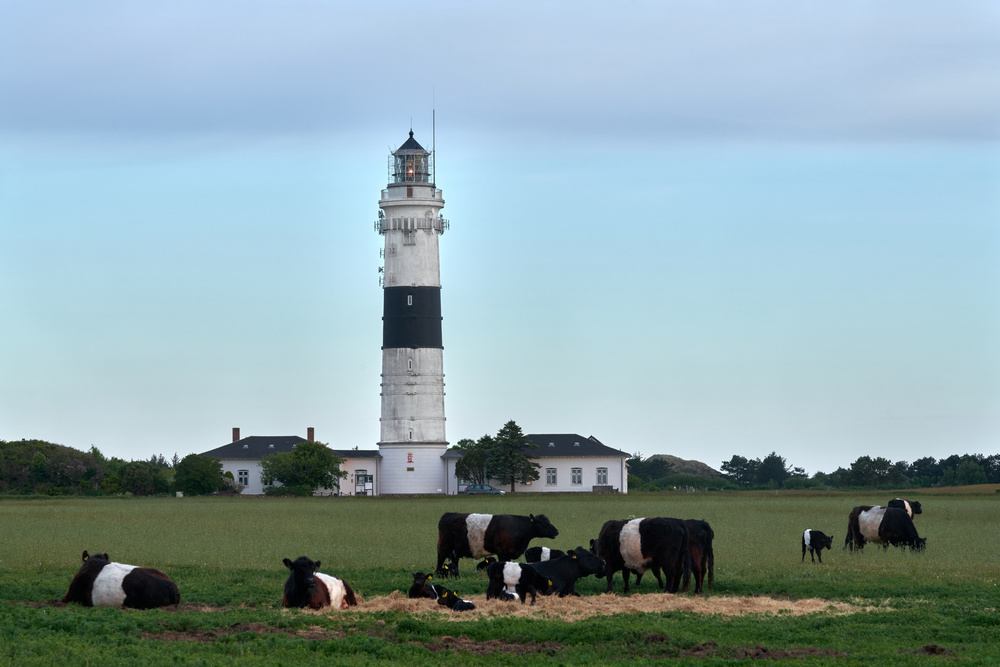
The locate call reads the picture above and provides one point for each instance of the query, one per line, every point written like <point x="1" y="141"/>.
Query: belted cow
<point x="815" y="541"/>
<point x="646" y="544"/>
<point x="509" y="581"/>
<point x="911" y="506"/>
<point x="477" y="535"/>
<point x="541" y="554"/>
<point x="306" y="587"/>
<point x="882" y="525"/>
<point x="563" y="572"/>
<point x="700" y="536"/>
<point x="103" y="583"/>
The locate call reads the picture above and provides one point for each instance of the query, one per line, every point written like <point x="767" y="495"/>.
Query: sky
<point x="700" y="228"/>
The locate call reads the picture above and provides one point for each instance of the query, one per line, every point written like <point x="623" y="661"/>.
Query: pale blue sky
<point x="696" y="228"/>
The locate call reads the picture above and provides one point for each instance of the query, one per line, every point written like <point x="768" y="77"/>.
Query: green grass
<point x="226" y="553"/>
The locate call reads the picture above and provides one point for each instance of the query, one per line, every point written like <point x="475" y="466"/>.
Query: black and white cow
<point x="639" y="545"/>
<point x="477" y="535"/>
<point x="422" y="589"/>
<point x="452" y="600"/>
<point x="102" y="583"/>
<point x="911" y="506"/>
<point x="815" y="541"/>
<point x="306" y="587"/>
<point x="486" y="562"/>
<point x="562" y="573"/>
<point x="510" y="581"/>
<point x="882" y="525"/>
<point x="700" y="537"/>
<point x="541" y="554"/>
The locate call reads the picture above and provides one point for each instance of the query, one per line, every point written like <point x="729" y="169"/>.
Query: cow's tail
<point x="686" y="582"/>
<point x="349" y="597"/>
<point x="711" y="566"/>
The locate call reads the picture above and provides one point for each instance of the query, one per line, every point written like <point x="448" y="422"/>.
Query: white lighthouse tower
<point x="412" y="435"/>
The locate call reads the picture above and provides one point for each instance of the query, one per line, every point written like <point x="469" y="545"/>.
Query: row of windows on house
<point x="243" y="476"/>
<point x="575" y="476"/>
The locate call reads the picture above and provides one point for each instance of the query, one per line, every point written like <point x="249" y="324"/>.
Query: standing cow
<point x="700" y="536"/>
<point x="477" y="535"/>
<point x="562" y="573"/>
<point x="814" y="541"/>
<point x="306" y="587"/>
<point x="911" y="506"/>
<point x="646" y="544"/>
<point x="541" y="554"/>
<point x="882" y="525"/>
<point x="102" y="583"/>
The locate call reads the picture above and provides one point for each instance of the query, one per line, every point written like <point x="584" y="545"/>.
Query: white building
<point x="569" y="463"/>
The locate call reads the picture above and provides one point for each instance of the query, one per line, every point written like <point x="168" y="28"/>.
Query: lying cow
<point x="911" y="506"/>
<point x="306" y="587"/>
<point x="452" y="600"/>
<point x="422" y="589"/>
<point x="562" y="573"/>
<point x="510" y="581"/>
<point x="102" y="583"/>
<point x="477" y="535"/>
<point x="815" y="541"/>
<point x="541" y="554"/>
<point x="882" y="525"/>
<point x="700" y="537"/>
<point x="646" y="544"/>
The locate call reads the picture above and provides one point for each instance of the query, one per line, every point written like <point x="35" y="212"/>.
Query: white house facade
<point x="568" y="463"/>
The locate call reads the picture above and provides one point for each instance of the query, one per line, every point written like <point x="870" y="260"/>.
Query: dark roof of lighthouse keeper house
<point x="258" y="446"/>
<point x="569" y="445"/>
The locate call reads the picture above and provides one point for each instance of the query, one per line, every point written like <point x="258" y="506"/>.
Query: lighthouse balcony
<point x="439" y="224"/>
<point x="413" y="192"/>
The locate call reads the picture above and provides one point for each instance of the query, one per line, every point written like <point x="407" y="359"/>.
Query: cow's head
<point x="303" y="571"/>
<point x="542" y="527"/>
<point x="447" y="598"/>
<point x="87" y="556"/>
<point x="919" y="544"/>
<point x="589" y="562"/>
<point x="822" y="540"/>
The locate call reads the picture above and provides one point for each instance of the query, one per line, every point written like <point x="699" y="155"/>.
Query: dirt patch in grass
<point x="576" y="608"/>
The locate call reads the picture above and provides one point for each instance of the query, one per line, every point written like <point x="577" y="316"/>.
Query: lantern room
<point x="410" y="163"/>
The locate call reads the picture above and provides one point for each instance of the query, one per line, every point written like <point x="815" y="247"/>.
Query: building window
<point x="550" y="476"/>
<point x="409" y="299"/>
<point x="409" y="364"/>
<point x="576" y="476"/>
<point x="243" y="477"/>
<point x="602" y="476"/>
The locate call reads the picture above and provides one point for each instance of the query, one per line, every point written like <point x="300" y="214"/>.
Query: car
<point x="473" y="489"/>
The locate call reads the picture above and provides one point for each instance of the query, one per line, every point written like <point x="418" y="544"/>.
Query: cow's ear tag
<point x="429" y="577"/>
<point x="550" y="582"/>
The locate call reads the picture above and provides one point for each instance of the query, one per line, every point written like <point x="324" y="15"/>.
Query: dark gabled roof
<point x="256" y="447"/>
<point x="569" y="444"/>
<point x="411" y="145"/>
<point x="259" y="446"/>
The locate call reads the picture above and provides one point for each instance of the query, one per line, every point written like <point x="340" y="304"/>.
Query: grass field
<point x="225" y="555"/>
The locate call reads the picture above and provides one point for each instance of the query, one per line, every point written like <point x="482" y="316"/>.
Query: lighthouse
<point x="412" y="430"/>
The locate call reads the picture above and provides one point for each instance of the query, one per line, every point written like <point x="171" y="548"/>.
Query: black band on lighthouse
<point x="411" y="317"/>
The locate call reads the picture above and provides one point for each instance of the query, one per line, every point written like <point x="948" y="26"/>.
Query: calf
<point x="815" y="541"/>
<point x="646" y="544"/>
<point x="700" y="537"/>
<point x="306" y="587"/>
<point x="477" y="535"/>
<point x="541" y="554"/>
<point x="508" y="581"/>
<point x="102" y="583"/>
<point x="562" y="573"/>
<point x="422" y="589"/>
<point x="451" y="600"/>
<point x="485" y="563"/>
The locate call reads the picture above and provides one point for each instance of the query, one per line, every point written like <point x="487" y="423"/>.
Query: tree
<point x="970" y="472"/>
<point x="472" y="466"/>
<point x="198" y="475"/>
<point x="772" y="471"/>
<point x="650" y="469"/>
<point x="740" y="470"/>
<point x="310" y="466"/>
<point x="507" y="461"/>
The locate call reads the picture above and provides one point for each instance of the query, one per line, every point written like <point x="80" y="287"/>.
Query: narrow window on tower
<point x="409" y="364"/>
<point x="409" y="299"/>
<point x="411" y="434"/>
<point x="409" y="191"/>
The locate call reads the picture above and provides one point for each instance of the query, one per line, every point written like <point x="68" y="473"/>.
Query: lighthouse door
<point x="364" y="484"/>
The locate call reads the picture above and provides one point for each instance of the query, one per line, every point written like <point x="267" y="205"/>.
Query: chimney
<point x="236" y="433"/>
<point x="311" y="434"/>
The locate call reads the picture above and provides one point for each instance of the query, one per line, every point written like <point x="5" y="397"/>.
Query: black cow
<point x="486" y="562"/>
<point x="882" y="525"/>
<point x="562" y="573"/>
<point x="451" y="600"/>
<point x="541" y="554"/>
<point x="102" y="583"/>
<point x="477" y="535"/>
<point x="815" y="541"/>
<point x="700" y="537"/>
<point x="306" y="587"/>
<point x="510" y="581"/>
<point x="911" y="506"/>
<point x="422" y="589"/>
<point x="646" y="544"/>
